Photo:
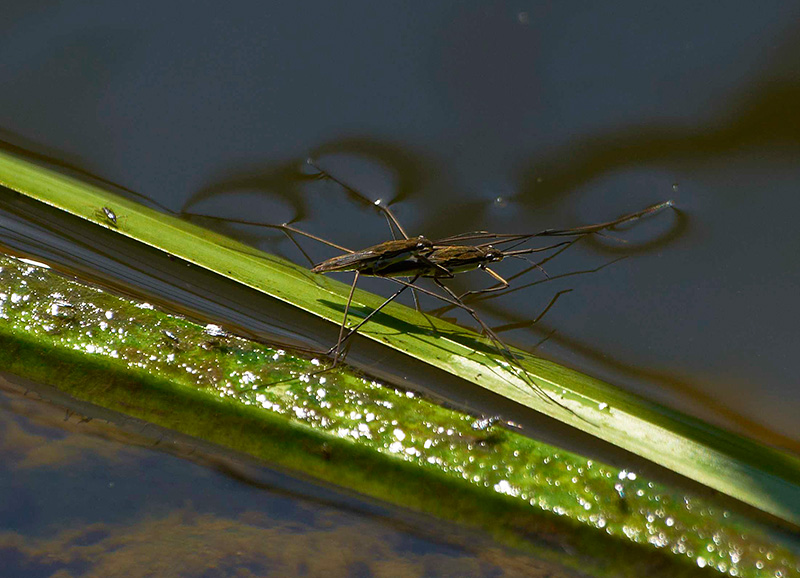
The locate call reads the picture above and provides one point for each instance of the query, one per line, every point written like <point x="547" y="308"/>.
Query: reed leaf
<point x="762" y="477"/>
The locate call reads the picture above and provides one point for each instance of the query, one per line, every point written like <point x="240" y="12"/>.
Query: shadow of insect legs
<point x="524" y="324"/>
<point x="496" y="341"/>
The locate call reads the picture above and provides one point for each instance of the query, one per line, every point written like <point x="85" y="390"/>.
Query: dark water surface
<point x="511" y="117"/>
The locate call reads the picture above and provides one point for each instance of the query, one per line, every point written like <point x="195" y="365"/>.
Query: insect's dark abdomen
<point x="458" y="259"/>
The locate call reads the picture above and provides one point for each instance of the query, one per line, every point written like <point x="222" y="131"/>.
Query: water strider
<point x="439" y="260"/>
<point x="406" y="260"/>
<point x="415" y="258"/>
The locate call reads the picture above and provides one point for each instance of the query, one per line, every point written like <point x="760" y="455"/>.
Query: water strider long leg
<point x="299" y="247"/>
<point x="504" y="350"/>
<point x="344" y="319"/>
<point x="375" y="311"/>
<point x="283" y="227"/>
<point x="579" y="232"/>
<point x="377" y="204"/>
<point x="287" y="230"/>
<point x="455" y="301"/>
<point x="486" y="329"/>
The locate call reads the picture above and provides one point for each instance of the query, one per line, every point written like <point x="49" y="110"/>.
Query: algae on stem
<point x="347" y="429"/>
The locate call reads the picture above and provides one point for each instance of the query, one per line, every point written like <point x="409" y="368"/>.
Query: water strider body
<point x="107" y="215"/>
<point x="373" y="260"/>
<point x="444" y="261"/>
<point x="110" y="215"/>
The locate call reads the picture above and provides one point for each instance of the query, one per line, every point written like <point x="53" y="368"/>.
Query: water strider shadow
<point x="761" y="115"/>
<point x="411" y="169"/>
<point x="401" y="327"/>
<point x="282" y="180"/>
<point x="758" y="119"/>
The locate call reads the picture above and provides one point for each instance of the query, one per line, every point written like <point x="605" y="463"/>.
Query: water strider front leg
<point x="377" y="204"/>
<point x="344" y="320"/>
<point x="506" y="352"/>
<point x="353" y="330"/>
<point x="285" y="228"/>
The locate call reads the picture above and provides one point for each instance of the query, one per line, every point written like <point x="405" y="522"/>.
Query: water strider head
<point x="493" y="255"/>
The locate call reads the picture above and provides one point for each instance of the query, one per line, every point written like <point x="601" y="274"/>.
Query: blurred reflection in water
<point x="85" y="497"/>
